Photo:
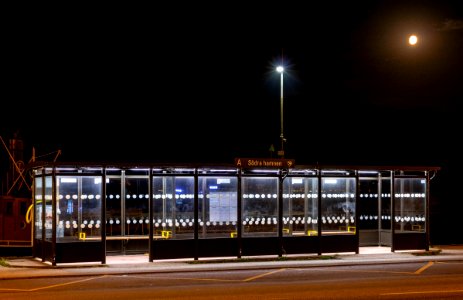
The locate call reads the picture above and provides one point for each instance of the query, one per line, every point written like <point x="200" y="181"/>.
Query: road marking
<point x="356" y="271"/>
<point x="66" y="283"/>
<point x="53" y="285"/>
<point x="262" y="275"/>
<point x="449" y="262"/>
<point x="426" y="266"/>
<point x="219" y="280"/>
<point x="422" y="292"/>
<point x="186" y="278"/>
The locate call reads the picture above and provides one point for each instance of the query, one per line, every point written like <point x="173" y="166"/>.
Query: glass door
<point x="374" y="211"/>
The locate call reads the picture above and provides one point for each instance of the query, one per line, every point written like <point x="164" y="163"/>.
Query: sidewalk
<point x="28" y="267"/>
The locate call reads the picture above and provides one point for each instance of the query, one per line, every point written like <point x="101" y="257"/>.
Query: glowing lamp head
<point x="280" y="69"/>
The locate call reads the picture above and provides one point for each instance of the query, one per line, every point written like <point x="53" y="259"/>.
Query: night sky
<point x="197" y="83"/>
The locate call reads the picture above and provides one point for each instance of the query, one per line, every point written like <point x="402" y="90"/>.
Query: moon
<point x="412" y="40"/>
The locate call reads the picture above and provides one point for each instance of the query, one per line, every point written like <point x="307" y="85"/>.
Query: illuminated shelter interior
<point x="83" y="212"/>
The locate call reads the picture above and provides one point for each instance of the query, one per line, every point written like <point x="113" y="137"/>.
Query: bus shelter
<point x="85" y="211"/>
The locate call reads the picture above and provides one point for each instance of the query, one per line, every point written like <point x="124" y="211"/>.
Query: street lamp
<point x="281" y="152"/>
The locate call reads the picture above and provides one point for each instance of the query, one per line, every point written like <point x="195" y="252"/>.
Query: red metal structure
<point x="15" y="201"/>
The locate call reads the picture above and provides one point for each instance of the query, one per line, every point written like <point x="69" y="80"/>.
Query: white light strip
<point x="68" y="179"/>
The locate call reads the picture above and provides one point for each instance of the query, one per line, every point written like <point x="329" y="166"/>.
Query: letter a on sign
<point x="238" y="162"/>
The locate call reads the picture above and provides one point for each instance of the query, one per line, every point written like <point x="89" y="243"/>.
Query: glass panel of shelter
<point x="163" y="193"/>
<point x="182" y="213"/>
<point x="48" y="195"/>
<point x="259" y="206"/>
<point x="338" y="205"/>
<point x="114" y="218"/>
<point x="67" y="204"/>
<point x="217" y="206"/>
<point x="173" y="207"/>
<point x="410" y="205"/>
<point x="78" y="202"/>
<point x="300" y="206"/>
<point x="136" y="204"/>
<point x="38" y="221"/>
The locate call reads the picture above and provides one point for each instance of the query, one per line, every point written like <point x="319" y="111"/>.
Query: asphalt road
<point x="411" y="280"/>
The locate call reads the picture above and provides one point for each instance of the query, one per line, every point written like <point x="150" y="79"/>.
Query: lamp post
<point x="281" y="152"/>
